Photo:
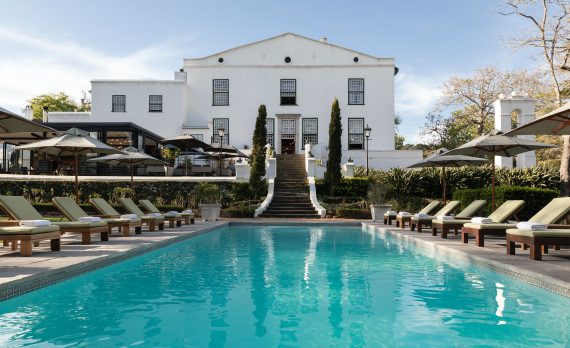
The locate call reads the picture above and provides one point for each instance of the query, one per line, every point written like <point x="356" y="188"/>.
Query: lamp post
<point x="221" y="133"/>
<point x="367" y="131"/>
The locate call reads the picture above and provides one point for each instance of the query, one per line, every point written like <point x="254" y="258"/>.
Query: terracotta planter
<point x="378" y="210"/>
<point x="210" y="212"/>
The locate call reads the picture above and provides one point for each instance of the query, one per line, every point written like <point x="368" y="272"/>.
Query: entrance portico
<point x="287" y="137"/>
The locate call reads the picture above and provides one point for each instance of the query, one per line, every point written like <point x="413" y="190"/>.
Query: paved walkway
<point x="552" y="273"/>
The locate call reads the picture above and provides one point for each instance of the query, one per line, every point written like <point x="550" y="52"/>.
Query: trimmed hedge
<point x="161" y="193"/>
<point x="347" y="187"/>
<point x="351" y="213"/>
<point x="535" y="198"/>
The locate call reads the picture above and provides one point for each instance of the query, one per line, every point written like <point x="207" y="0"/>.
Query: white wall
<point x="322" y="72"/>
<point x="167" y="123"/>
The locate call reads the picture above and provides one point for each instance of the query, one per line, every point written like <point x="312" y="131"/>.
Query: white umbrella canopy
<point x="130" y="157"/>
<point x="439" y="159"/>
<point x="496" y="143"/>
<point x="556" y="122"/>
<point x="73" y="142"/>
<point x="17" y="130"/>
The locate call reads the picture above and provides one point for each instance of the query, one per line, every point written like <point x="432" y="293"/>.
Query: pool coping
<point x="552" y="284"/>
<point x="36" y="281"/>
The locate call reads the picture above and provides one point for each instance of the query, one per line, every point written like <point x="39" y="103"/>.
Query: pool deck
<point x="23" y="274"/>
<point x="552" y="273"/>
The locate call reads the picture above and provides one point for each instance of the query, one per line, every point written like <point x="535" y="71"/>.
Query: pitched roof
<point x="284" y="35"/>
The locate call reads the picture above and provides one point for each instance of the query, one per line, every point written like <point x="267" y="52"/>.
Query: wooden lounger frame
<point x="26" y="240"/>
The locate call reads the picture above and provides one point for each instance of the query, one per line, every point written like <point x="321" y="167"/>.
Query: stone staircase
<point x="291" y="194"/>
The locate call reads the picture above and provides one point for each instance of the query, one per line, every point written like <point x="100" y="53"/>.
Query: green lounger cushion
<point x="506" y="210"/>
<point x="119" y="221"/>
<point x="12" y="230"/>
<point x="493" y="226"/>
<point x="69" y="208"/>
<point x="543" y="233"/>
<point x="553" y="212"/>
<point x="430" y="207"/>
<point x="131" y="207"/>
<point x="151" y="208"/>
<point x="19" y="208"/>
<point x="79" y="224"/>
<point x="104" y="207"/>
<point x="472" y="208"/>
<point x="449" y="222"/>
<point x="447" y="209"/>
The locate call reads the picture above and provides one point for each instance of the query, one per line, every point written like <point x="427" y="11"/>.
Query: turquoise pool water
<point x="287" y="287"/>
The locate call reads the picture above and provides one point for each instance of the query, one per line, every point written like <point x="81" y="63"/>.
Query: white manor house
<point x="297" y="78"/>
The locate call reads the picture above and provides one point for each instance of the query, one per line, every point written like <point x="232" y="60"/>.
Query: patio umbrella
<point x="439" y="159"/>
<point x="224" y="151"/>
<point x="16" y="130"/>
<point x="73" y="142"/>
<point x="496" y="143"/>
<point x="129" y="158"/>
<point x="556" y="122"/>
<point x="186" y="142"/>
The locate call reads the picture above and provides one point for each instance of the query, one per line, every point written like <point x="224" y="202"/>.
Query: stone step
<point x="292" y="216"/>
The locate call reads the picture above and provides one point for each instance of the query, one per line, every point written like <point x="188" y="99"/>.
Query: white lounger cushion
<point x="89" y="219"/>
<point x="129" y="217"/>
<point x="481" y="220"/>
<point x="529" y="225"/>
<point x="421" y="215"/>
<point x="444" y="217"/>
<point x="404" y="213"/>
<point x="153" y="215"/>
<point x="35" y="223"/>
<point x="187" y="211"/>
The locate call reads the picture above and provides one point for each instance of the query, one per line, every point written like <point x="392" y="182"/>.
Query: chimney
<point x="181" y="75"/>
<point x="28" y="112"/>
<point x="324" y="39"/>
<point x="45" y="115"/>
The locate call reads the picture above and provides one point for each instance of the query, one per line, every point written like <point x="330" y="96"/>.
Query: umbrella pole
<point x="132" y="181"/>
<point x="444" y="186"/>
<point x="76" y="179"/>
<point x="493" y="183"/>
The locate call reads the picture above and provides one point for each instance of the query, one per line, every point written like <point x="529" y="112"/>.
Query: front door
<point x="288" y="132"/>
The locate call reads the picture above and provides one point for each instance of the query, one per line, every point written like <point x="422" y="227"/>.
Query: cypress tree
<point x="332" y="175"/>
<point x="259" y="140"/>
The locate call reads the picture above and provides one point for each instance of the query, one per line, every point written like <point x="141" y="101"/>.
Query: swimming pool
<point x="308" y="286"/>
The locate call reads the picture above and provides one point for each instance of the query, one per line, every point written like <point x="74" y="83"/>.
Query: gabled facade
<point x="297" y="78"/>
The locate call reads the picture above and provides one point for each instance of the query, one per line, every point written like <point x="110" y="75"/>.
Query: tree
<point x="449" y="132"/>
<point x="259" y="140"/>
<point x="550" y="37"/>
<point x="332" y="175"/>
<point x="53" y="101"/>
<point x="399" y="139"/>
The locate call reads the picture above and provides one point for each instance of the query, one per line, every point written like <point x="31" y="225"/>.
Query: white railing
<point x="270" y="174"/>
<point x="310" y="168"/>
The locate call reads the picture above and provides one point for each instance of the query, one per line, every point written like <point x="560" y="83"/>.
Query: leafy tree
<point x="258" y="151"/>
<point x="549" y="37"/>
<point x="332" y="175"/>
<point x="399" y="139"/>
<point x="54" y="102"/>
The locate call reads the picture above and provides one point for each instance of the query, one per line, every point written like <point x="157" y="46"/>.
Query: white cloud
<point x="32" y="64"/>
<point x="416" y="96"/>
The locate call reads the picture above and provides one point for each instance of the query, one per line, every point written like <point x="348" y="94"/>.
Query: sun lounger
<point x="151" y="208"/>
<point x="17" y="208"/>
<point x="389" y="216"/>
<point x="73" y="212"/>
<point x="552" y="213"/>
<point x="12" y="232"/>
<point x="151" y="221"/>
<point x="457" y="221"/>
<point x="538" y="241"/>
<point x="402" y="219"/>
<point x="421" y="221"/>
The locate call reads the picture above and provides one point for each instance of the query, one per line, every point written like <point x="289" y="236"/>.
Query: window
<point x="198" y="136"/>
<point x="270" y="126"/>
<point x="355" y="91"/>
<point x="218" y="123"/>
<point x="155" y="103"/>
<point x="119" y="103"/>
<point x="310" y="131"/>
<point x="288" y="92"/>
<point x="355" y="133"/>
<point x="221" y="90"/>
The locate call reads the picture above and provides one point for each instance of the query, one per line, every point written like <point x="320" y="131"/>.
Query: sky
<point x="60" y="45"/>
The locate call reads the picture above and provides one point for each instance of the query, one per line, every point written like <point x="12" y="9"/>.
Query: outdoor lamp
<point x="221" y="132"/>
<point x="367" y="131"/>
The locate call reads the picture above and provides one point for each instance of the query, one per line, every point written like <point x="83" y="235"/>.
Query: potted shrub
<point x="377" y="200"/>
<point x="208" y="197"/>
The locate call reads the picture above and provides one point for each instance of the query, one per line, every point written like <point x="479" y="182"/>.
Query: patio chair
<point x="458" y="221"/>
<point x="17" y="208"/>
<point x="426" y="221"/>
<point x="552" y="213"/>
<point x="151" y="208"/>
<point x="73" y="212"/>
<point x="12" y="232"/>
<point x="402" y="219"/>
<point x="151" y="221"/>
